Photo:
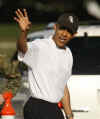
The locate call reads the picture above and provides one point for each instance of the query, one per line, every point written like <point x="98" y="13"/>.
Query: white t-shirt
<point x="49" y="69"/>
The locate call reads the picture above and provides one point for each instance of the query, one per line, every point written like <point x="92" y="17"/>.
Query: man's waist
<point x="43" y="100"/>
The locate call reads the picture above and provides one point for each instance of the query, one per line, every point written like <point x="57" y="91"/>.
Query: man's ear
<point x="55" y="27"/>
<point x="74" y="35"/>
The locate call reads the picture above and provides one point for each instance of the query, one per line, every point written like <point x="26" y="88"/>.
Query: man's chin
<point x="61" y="46"/>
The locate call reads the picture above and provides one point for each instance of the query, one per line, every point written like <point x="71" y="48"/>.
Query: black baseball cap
<point x="69" y="22"/>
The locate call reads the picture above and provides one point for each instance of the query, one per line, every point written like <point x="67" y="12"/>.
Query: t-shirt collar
<point x="53" y="43"/>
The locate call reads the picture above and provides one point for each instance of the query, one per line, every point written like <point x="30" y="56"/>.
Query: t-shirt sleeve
<point x="30" y="57"/>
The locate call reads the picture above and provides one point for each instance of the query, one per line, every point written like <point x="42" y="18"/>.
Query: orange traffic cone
<point x="7" y="111"/>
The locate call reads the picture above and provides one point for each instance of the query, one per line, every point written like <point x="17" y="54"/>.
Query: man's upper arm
<point x="30" y="57"/>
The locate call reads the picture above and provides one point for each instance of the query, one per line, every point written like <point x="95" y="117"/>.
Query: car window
<point x="86" y="55"/>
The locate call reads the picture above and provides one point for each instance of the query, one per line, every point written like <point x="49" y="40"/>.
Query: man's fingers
<point x="16" y="19"/>
<point x="25" y="13"/>
<point x="22" y="19"/>
<point x="17" y="13"/>
<point x="20" y="13"/>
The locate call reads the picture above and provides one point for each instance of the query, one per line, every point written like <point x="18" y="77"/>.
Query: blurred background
<point x="48" y="10"/>
<point x="42" y="12"/>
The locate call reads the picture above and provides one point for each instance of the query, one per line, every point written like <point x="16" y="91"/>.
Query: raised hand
<point x="23" y="20"/>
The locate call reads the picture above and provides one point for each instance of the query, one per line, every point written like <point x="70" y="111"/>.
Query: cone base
<point x="7" y="117"/>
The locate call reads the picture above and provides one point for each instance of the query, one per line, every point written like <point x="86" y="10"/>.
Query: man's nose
<point x="64" y="33"/>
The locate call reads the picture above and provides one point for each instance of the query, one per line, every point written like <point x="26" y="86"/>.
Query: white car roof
<point x="91" y="30"/>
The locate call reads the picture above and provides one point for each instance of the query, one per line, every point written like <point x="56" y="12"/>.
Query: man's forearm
<point x="66" y="102"/>
<point x="22" y="42"/>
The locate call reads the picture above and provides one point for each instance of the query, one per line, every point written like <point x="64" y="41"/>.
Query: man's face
<point x="62" y="37"/>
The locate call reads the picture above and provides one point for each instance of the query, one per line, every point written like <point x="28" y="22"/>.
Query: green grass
<point x="9" y="32"/>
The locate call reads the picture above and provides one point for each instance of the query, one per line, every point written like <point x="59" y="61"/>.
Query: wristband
<point x="68" y="116"/>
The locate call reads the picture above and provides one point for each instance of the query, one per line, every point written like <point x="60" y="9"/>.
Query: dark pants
<point x="40" y="109"/>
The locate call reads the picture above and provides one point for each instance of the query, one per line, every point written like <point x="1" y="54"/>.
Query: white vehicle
<point x="84" y="84"/>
